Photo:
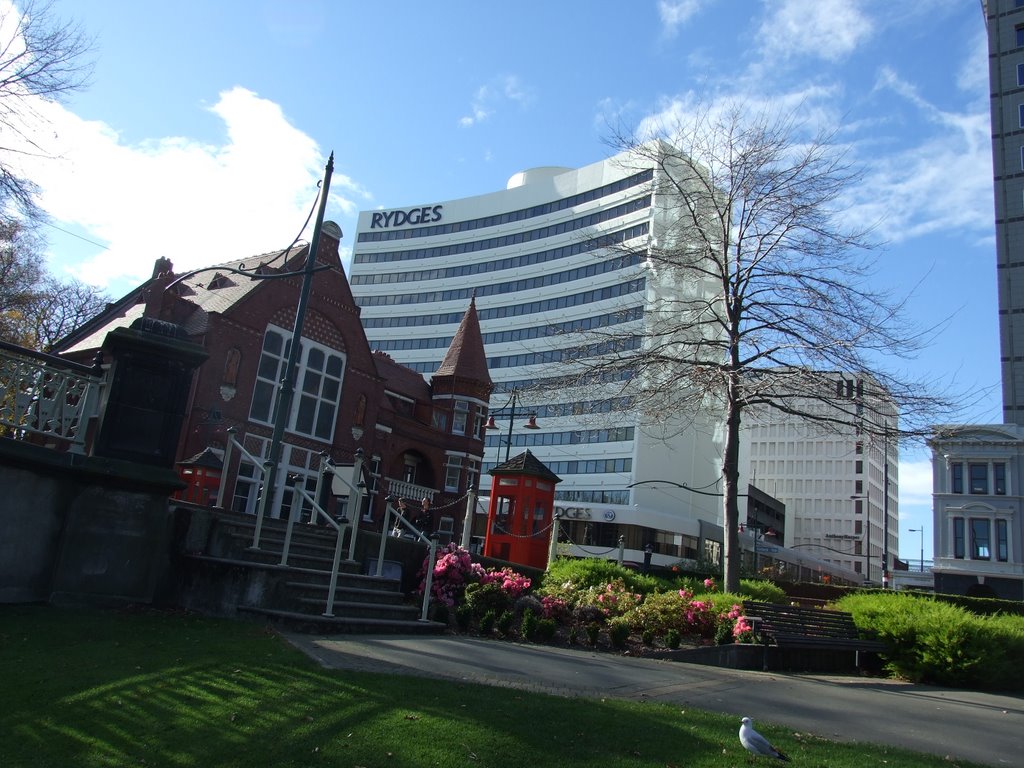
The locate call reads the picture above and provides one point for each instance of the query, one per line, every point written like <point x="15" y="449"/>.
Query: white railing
<point x="260" y="464"/>
<point x="402" y="490"/>
<point x="340" y="525"/>
<point x="387" y="532"/>
<point x="47" y="399"/>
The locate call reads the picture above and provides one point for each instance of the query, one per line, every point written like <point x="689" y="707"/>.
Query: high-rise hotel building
<point x="1005" y="20"/>
<point x="544" y="259"/>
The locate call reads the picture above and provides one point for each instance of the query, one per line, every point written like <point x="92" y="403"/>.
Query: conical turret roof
<point x="466" y="359"/>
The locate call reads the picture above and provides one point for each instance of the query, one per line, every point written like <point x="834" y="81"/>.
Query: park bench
<point x="808" y="629"/>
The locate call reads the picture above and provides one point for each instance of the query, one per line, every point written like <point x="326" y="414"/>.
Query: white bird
<point x="756" y="743"/>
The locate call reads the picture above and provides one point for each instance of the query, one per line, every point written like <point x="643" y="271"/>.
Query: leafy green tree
<point x="37" y="308"/>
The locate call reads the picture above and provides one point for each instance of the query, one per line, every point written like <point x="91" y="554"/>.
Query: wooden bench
<point x="791" y="626"/>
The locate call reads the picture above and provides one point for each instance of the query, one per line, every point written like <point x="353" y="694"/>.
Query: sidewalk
<point x="981" y="727"/>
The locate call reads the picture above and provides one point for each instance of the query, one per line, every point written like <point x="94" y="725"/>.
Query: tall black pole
<point x="286" y="391"/>
<point x="511" y="421"/>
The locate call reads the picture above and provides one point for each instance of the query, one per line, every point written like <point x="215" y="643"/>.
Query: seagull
<point x="756" y="743"/>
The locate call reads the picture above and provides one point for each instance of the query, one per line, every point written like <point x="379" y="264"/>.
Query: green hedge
<point x="935" y="642"/>
<point x="592" y="572"/>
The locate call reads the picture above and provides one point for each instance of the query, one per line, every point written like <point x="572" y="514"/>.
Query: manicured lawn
<point x="88" y="688"/>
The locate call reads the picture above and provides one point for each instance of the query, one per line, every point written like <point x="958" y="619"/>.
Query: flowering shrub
<point x="613" y="598"/>
<point x="701" y="618"/>
<point x="709" y="585"/>
<point x="571" y="579"/>
<point x="742" y="630"/>
<point x="554" y="608"/>
<point x="453" y="570"/>
<point x="515" y="584"/>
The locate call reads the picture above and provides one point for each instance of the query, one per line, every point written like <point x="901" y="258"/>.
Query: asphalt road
<point x="981" y="727"/>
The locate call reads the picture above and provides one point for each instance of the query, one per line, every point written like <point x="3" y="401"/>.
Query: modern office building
<point x="555" y="260"/>
<point x="840" y="486"/>
<point x="1005" y="20"/>
<point x="978" y="469"/>
<point x="544" y="259"/>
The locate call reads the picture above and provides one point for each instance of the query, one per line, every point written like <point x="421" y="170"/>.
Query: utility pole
<point x="286" y="391"/>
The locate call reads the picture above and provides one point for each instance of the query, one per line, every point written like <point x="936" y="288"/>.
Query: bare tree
<point x="37" y="308"/>
<point x="44" y="57"/>
<point x="764" y="296"/>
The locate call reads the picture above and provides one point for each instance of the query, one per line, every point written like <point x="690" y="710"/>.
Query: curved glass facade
<point x="551" y="263"/>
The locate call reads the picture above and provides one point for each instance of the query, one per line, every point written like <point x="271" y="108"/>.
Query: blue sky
<point x="208" y="124"/>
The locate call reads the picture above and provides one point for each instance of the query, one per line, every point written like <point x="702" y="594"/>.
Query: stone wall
<point x="81" y="528"/>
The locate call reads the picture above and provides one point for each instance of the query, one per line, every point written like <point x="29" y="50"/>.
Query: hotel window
<point x="1020" y="114"/>
<point x="957" y="477"/>
<point x="460" y="417"/>
<point x="980" y="533"/>
<point x="958" y="538"/>
<point x="452" y="474"/>
<point x="1019" y="34"/>
<point x="1020" y="74"/>
<point x="1002" y="541"/>
<point x="1022" y="157"/>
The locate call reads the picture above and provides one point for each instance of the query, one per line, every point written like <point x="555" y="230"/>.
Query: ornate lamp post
<point x="513" y="401"/>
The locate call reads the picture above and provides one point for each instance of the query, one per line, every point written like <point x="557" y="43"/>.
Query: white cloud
<point x="488" y="98"/>
<point x="916" y="483"/>
<point x="944" y="182"/>
<point x="823" y="29"/>
<point x="675" y="13"/>
<point x="193" y="202"/>
<point x="813" y="106"/>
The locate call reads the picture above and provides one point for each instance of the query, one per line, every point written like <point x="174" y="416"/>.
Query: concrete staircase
<point x="221" y="573"/>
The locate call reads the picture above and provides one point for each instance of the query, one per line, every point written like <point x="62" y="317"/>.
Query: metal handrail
<point x="356" y="490"/>
<point x="338" y="525"/>
<point x="389" y="513"/>
<point x="263" y="484"/>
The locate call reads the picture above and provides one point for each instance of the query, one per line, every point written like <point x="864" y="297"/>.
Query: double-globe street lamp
<point x="513" y="401"/>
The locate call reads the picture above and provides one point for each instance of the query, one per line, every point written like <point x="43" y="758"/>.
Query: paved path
<point x="981" y="727"/>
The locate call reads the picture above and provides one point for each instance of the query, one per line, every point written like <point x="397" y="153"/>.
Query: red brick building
<point x="420" y="439"/>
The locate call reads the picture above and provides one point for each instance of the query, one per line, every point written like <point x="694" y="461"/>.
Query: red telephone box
<point x="521" y="511"/>
<point x="202" y="474"/>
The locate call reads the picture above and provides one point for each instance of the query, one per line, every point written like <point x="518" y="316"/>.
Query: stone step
<point x="318" y="624"/>
<point x="354" y="610"/>
<point x="353" y="590"/>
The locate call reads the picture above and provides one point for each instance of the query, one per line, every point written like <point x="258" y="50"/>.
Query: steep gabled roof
<point x="525" y="464"/>
<point x="466" y="359"/>
<point x="214" y="289"/>
<point x="399" y="379"/>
